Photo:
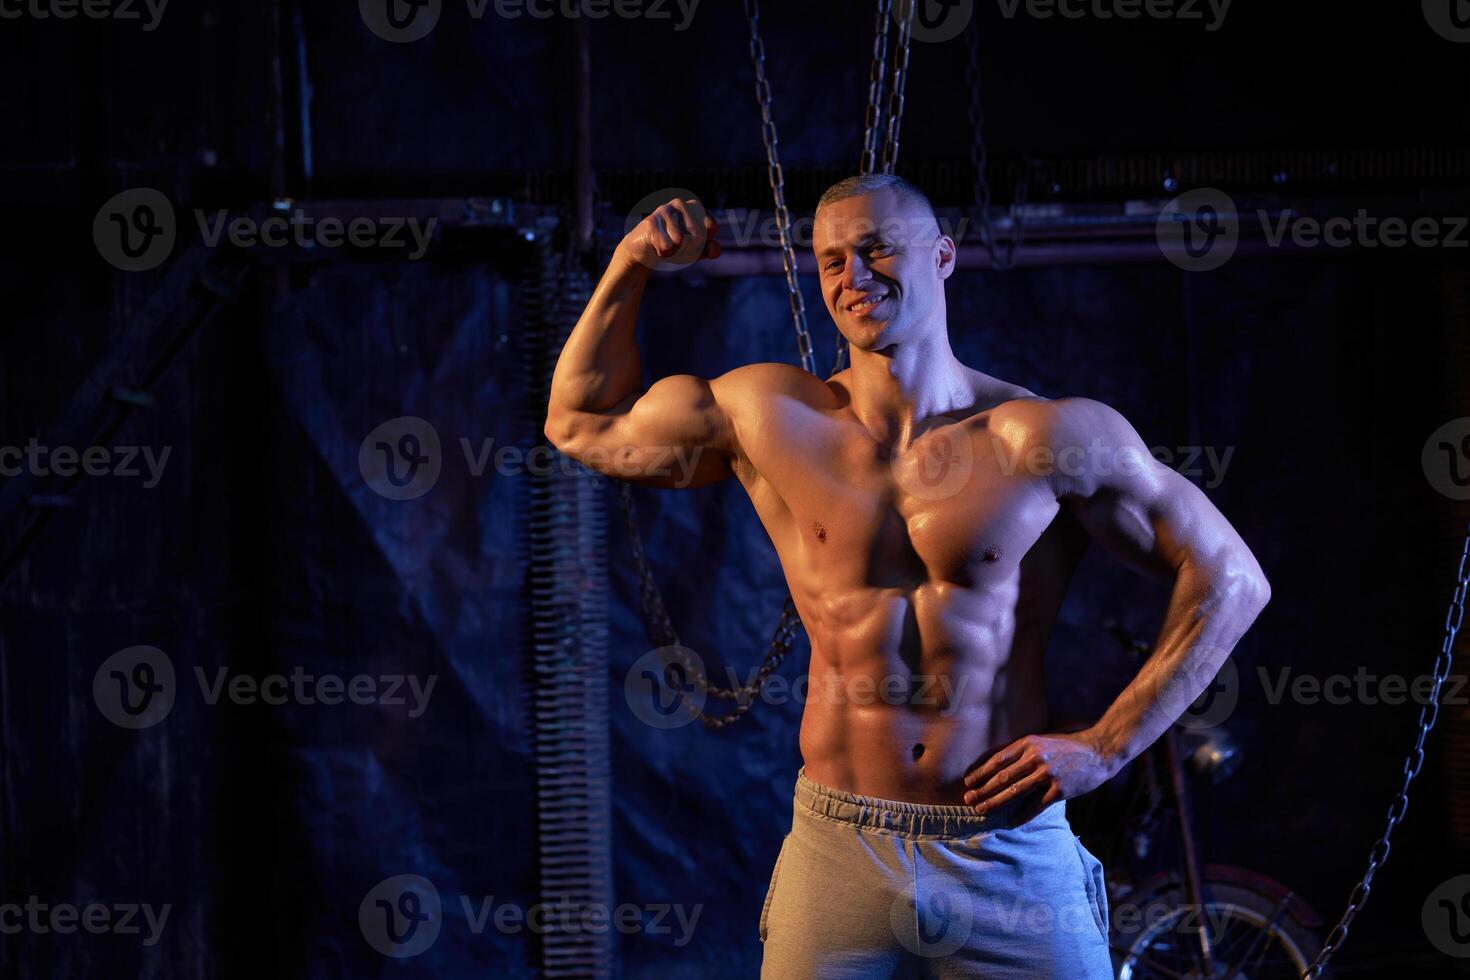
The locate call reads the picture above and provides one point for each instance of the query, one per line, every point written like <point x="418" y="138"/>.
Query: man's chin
<point x="868" y="335"/>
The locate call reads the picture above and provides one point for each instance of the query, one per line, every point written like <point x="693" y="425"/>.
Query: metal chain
<point x="873" y="121"/>
<point x="900" y="76"/>
<point x="655" y="614"/>
<point x="661" y="630"/>
<point x="778" y="185"/>
<point x="979" y="159"/>
<point x="1428" y="714"/>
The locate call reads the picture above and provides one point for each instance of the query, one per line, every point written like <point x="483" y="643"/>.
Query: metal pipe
<point x="1193" y="876"/>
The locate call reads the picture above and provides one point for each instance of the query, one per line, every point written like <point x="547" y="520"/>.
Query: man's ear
<point x="946" y="255"/>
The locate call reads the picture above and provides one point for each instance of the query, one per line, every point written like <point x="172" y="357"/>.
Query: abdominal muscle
<point x="906" y="695"/>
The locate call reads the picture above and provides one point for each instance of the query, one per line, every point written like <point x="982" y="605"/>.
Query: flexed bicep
<point x="675" y="434"/>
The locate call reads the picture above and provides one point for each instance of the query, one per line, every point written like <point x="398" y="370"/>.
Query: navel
<point x="918" y="750"/>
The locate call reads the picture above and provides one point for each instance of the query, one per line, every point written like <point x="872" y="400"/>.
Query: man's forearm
<point x="1209" y="611"/>
<point x="599" y="366"/>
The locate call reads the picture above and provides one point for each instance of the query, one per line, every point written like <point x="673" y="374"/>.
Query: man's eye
<point x="834" y="265"/>
<point x="880" y="247"/>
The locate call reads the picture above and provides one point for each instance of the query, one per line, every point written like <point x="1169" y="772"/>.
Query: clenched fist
<point x="675" y="234"/>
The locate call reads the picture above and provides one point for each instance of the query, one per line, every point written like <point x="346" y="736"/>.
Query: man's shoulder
<point x="767" y="378"/>
<point x="1055" y="422"/>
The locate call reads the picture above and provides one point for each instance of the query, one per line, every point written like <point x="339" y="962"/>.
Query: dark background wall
<point x="262" y="549"/>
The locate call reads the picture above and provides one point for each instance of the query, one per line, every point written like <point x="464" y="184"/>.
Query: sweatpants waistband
<point x="912" y="820"/>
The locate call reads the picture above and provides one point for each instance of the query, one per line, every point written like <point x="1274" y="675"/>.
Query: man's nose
<point x="856" y="275"/>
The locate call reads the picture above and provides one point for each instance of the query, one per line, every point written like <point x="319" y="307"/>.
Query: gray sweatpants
<point x="870" y="888"/>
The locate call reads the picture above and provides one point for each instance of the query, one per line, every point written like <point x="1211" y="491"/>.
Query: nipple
<point x="821" y="531"/>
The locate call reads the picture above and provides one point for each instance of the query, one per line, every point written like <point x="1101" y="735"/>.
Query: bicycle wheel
<point x="1155" y="937"/>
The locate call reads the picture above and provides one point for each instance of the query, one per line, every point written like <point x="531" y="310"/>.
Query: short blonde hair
<point x="860" y="184"/>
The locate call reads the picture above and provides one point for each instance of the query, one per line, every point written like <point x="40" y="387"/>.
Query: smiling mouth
<point x="863" y="306"/>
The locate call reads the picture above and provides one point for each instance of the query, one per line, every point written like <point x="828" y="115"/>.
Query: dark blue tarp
<point x="263" y="550"/>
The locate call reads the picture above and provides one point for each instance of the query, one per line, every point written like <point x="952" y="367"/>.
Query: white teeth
<point x="864" y="304"/>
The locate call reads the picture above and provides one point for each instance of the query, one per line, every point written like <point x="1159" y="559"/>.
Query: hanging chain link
<point x="655" y="613"/>
<point x="873" y="121"/>
<point x="1428" y="714"/>
<point x="900" y="76"/>
<point x="1000" y="258"/>
<point x="778" y="185"/>
<point x="661" y="629"/>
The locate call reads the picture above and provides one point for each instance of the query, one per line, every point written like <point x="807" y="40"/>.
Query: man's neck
<point x="894" y="390"/>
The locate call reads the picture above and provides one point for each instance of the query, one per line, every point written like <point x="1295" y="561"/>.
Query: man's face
<point x="882" y="263"/>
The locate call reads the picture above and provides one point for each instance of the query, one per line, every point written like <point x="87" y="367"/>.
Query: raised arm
<point x="674" y="434"/>
<point x="1163" y="526"/>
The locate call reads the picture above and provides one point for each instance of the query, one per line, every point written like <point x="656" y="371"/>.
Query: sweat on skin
<point x="885" y="293"/>
<point x="895" y="689"/>
<point x="1097" y="458"/>
<point x="509" y="460"/>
